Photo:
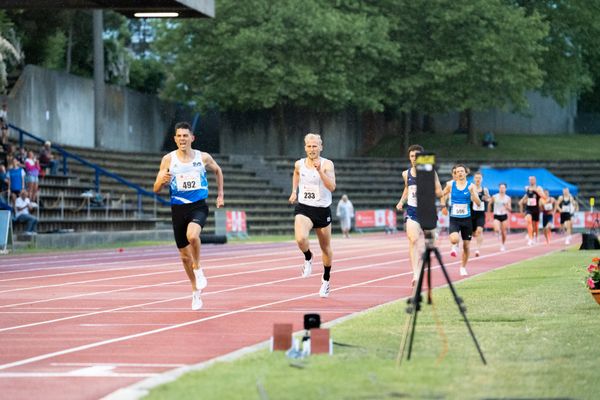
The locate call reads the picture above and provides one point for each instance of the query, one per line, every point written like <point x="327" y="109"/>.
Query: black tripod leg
<point x="459" y="303"/>
<point x="416" y="300"/>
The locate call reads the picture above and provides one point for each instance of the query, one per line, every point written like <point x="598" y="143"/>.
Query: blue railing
<point x="98" y="170"/>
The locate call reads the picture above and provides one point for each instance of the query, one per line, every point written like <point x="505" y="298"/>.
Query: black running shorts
<point x="462" y="225"/>
<point x="535" y="213"/>
<point x="564" y="217"/>
<point x="182" y="215"/>
<point x="478" y="219"/>
<point x="501" y="218"/>
<point x="320" y="216"/>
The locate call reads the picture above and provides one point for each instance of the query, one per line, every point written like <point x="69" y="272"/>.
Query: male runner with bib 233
<point x="314" y="180"/>
<point x="184" y="171"/>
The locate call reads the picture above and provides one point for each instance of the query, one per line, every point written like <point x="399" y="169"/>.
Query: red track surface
<point x="80" y="325"/>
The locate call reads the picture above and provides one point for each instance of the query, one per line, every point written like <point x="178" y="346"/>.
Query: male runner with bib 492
<point x="184" y="171"/>
<point x="314" y="176"/>
<point x="462" y="194"/>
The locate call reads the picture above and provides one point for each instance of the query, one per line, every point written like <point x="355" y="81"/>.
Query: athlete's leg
<point x="503" y="230"/>
<point x="413" y="230"/>
<point x="497" y="227"/>
<point x="465" y="254"/>
<point x="529" y="226"/>
<point x="193" y="236"/>
<point x="302" y="227"/>
<point x="188" y="260"/>
<point x="568" y="228"/>
<point x="324" y="236"/>
<point x="479" y="238"/>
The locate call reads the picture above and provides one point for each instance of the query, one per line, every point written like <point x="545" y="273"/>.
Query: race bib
<point x="566" y="208"/>
<point x="311" y="192"/>
<point x="187" y="182"/>
<point x="412" y="196"/>
<point x="480" y="207"/>
<point x="548" y="206"/>
<point x="531" y="201"/>
<point x="460" y="209"/>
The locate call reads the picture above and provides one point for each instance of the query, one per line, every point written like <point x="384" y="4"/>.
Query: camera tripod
<point x="414" y="302"/>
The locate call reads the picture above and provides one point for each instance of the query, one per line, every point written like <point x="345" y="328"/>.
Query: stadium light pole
<point x="99" y="88"/>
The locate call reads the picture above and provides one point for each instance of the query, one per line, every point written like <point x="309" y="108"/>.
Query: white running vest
<point x="500" y="204"/>
<point x="312" y="190"/>
<point x="188" y="180"/>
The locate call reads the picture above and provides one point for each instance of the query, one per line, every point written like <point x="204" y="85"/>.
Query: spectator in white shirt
<point x="23" y="206"/>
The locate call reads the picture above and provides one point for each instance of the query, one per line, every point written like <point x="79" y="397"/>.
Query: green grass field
<point x="536" y="322"/>
<point x="511" y="147"/>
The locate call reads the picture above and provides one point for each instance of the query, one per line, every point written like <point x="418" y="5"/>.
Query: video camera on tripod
<point x="427" y="217"/>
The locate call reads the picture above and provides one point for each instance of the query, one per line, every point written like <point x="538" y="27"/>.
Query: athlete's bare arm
<point x="164" y="176"/>
<point x="556" y="208"/>
<point x="295" y="181"/>
<point x="404" y="192"/>
<point x="438" y="187"/>
<point x="522" y="202"/>
<point x="212" y="165"/>
<point x="326" y="172"/>
<point x="540" y="192"/>
<point x="474" y="196"/>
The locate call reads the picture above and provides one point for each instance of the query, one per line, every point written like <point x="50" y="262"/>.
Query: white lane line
<point x="142" y="365"/>
<point x="187" y="296"/>
<point x="217" y="316"/>
<point x="184" y="280"/>
<point x="170" y="264"/>
<point x="180" y="325"/>
<point x="15" y="375"/>
<point x="143" y="256"/>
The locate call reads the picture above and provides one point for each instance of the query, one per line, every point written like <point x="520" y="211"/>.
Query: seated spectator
<point x="4" y="138"/>
<point x="16" y="179"/>
<point x="47" y="158"/>
<point x="23" y="206"/>
<point x="32" y="173"/>
<point x="489" y="140"/>
<point x="3" y="183"/>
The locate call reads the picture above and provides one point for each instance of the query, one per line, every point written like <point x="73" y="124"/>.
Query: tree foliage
<point x="428" y="55"/>
<point x="258" y="54"/>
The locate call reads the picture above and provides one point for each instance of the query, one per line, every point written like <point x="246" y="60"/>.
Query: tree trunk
<point x="405" y="132"/>
<point x="471" y="136"/>
<point x="69" y="48"/>
<point x="368" y="118"/>
<point x="281" y="129"/>
<point x="416" y="122"/>
<point x="428" y="123"/>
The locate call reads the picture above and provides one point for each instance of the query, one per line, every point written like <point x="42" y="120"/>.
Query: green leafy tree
<point x="10" y="49"/>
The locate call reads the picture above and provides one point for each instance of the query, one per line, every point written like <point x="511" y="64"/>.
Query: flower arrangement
<point x="593" y="278"/>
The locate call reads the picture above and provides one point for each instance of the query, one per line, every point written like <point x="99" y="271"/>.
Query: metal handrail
<point x="98" y="170"/>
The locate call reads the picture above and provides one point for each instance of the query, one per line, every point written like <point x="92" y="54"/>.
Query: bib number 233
<point x="311" y="192"/>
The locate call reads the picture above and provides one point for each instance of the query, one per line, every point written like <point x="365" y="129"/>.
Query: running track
<point x="83" y="324"/>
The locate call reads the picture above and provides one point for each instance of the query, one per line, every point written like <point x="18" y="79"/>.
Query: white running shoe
<point x="201" y="281"/>
<point x="502" y="248"/>
<point x="196" y="300"/>
<point x="454" y="251"/>
<point x="463" y="271"/>
<point x="568" y="240"/>
<point x="324" y="291"/>
<point x="529" y="242"/>
<point x="476" y="253"/>
<point x="307" y="268"/>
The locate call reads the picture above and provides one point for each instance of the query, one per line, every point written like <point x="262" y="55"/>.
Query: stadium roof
<point x="184" y="8"/>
